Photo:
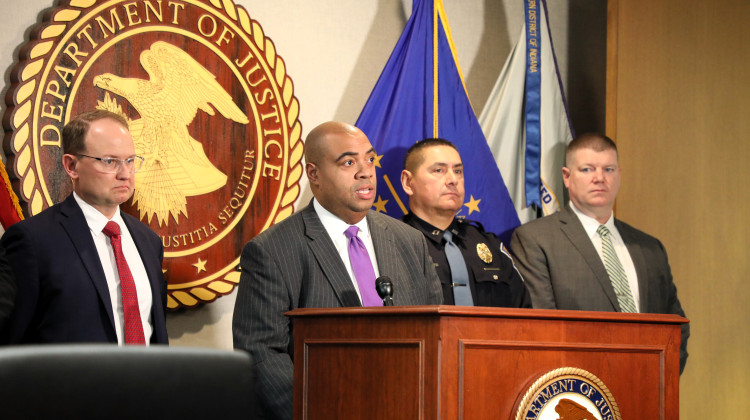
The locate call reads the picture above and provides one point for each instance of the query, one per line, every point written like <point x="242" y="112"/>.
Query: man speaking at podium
<point x="327" y="255"/>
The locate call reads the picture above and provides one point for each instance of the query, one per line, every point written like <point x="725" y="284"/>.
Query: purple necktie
<point x="362" y="267"/>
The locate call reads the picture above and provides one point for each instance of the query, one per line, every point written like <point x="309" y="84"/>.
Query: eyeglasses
<point x="110" y="165"/>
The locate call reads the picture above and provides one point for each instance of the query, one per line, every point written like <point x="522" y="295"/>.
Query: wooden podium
<point x="448" y="362"/>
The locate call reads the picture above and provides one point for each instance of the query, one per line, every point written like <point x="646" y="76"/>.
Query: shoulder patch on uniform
<point x="504" y="250"/>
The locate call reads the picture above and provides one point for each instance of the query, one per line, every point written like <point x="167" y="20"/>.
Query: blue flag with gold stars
<point x="421" y="94"/>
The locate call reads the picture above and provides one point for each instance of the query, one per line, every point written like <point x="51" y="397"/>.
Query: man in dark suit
<point x="474" y="267"/>
<point x="582" y="258"/>
<point x="312" y="259"/>
<point x="7" y="289"/>
<point x="85" y="271"/>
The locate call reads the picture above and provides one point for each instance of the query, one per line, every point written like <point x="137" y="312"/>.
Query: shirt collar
<point x="432" y="232"/>
<point x="334" y="225"/>
<point x="590" y="225"/>
<point x="94" y="218"/>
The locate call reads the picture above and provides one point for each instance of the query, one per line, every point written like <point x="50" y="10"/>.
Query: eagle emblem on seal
<point x="176" y="165"/>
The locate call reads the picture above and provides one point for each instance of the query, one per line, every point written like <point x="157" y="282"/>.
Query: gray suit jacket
<point x="294" y="264"/>
<point x="562" y="269"/>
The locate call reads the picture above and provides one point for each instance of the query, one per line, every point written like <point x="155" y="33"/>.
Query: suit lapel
<point x="141" y="242"/>
<point x="576" y="234"/>
<point x="639" y="261"/>
<point x="328" y="258"/>
<point x="385" y="245"/>
<point x="74" y="223"/>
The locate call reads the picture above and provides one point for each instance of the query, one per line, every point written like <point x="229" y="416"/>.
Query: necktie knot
<point x="602" y="231"/>
<point x="448" y="236"/>
<point x="351" y="232"/>
<point x="112" y="229"/>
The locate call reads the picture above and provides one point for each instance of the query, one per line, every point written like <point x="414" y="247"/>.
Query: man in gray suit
<point x="582" y="258"/>
<point x="310" y="260"/>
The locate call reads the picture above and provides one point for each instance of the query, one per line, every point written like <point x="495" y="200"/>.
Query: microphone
<point x="384" y="286"/>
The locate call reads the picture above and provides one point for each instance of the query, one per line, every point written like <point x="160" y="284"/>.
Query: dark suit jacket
<point x="7" y="289"/>
<point x="294" y="264"/>
<point x="563" y="270"/>
<point x="62" y="291"/>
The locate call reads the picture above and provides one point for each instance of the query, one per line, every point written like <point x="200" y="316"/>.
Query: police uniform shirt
<point x="493" y="279"/>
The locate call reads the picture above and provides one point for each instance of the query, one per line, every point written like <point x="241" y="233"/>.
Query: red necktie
<point x="133" y="327"/>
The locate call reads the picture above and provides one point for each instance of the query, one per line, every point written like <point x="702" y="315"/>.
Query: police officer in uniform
<point x="473" y="265"/>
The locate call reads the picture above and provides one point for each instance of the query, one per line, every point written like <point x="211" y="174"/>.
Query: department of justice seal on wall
<point x="568" y="394"/>
<point x="210" y="108"/>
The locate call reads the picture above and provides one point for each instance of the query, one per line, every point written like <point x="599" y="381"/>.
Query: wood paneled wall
<point x="678" y="105"/>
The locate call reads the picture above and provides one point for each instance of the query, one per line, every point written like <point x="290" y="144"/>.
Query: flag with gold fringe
<point x="10" y="210"/>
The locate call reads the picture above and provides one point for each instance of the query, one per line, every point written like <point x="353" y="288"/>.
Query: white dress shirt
<point x="590" y="225"/>
<point x="335" y="228"/>
<point x="96" y="221"/>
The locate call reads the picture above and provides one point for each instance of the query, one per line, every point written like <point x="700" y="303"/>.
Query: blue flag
<point x="421" y="94"/>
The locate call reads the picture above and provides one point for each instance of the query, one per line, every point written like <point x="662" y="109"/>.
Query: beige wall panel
<point x="679" y="84"/>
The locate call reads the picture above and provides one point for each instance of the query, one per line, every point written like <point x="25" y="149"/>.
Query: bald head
<point x="319" y="139"/>
<point x="340" y="165"/>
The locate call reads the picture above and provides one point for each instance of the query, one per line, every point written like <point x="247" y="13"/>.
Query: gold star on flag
<point x="473" y="205"/>
<point x="200" y="265"/>
<point x="377" y="161"/>
<point x="380" y="205"/>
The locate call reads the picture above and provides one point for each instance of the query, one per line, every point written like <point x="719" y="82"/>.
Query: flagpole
<point x="435" y="110"/>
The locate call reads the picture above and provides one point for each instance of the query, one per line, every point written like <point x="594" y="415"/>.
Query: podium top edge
<point x="486" y="312"/>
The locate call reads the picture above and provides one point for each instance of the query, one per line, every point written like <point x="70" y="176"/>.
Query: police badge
<point x="484" y="253"/>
